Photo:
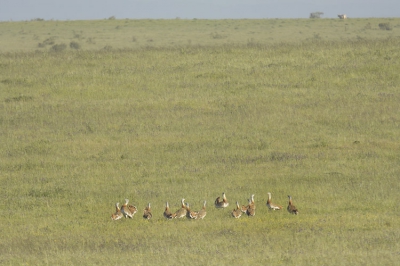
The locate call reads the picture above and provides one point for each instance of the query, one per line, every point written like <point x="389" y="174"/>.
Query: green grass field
<point x="307" y="108"/>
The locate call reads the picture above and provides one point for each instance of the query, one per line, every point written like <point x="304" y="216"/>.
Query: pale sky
<point x="17" y="10"/>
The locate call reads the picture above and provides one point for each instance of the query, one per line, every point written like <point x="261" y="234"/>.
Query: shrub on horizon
<point x="74" y="45"/>
<point x="58" y="47"/>
<point x="385" y="26"/>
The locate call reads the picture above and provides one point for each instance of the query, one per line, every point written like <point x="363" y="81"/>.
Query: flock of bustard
<point x="128" y="211"/>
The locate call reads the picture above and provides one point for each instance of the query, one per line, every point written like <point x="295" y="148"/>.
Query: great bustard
<point x="252" y="203"/>
<point x="202" y="213"/>
<point x="147" y="212"/>
<point x="221" y="203"/>
<point x="167" y="212"/>
<point x="190" y="214"/>
<point x="237" y="212"/>
<point x="271" y="205"/>
<point x="182" y="211"/>
<point x="291" y="208"/>
<point x="244" y="208"/>
<point x="128" y="211"/>
<point x="118" y="214"/>
<point x="251" y="209"/>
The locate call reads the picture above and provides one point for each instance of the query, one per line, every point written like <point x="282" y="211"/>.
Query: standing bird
<point x="221" y="203"/>
<point x="118" y="214"/>
<point x="251" y="210"/>
<point x="244" y="208"/>
<point x="252" y="204"/>
<point x="182" y="211"/>
<point x="237" y="212"/>
<point x="291" y="208"/>
<point x="202" y="213"/>
<point x="167" y="212"/>
<point x="271" y="205"/>
<point x="128" y="211"/>
<point x="132" y="209"/>
<point x="190" y="214"/>
<point x="147" y="212"/>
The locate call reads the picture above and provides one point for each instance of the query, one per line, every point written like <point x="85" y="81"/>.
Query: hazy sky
<point x="188" y="9"/>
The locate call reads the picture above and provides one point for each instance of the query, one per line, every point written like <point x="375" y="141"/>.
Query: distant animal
<point x="128" y="210"/>
<point x="250" y="205"/>
<point x="167" y="212"/>
<point x="237" y="212"/>
<point x="118" y="214"/>
<point x="271" y="205"/>
<point x="343" y="16"/>
<point x="252" y="202"/>
<point x="202" y="213"/>
<point x="190" y="214"/>
<point x="291" y="208"/>
<point x="147" y="212"/>
<point x="132" y="209"/>
<point x="251" y="210"/>
<point x="244" y="208"/>
<point x="221" y="203"/>
<point x="182" y="211"/>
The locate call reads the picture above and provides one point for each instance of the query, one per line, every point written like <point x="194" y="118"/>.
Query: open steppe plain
<point x="93" y="112"/>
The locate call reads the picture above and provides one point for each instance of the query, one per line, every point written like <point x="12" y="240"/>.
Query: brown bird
<point x="202" y="213"/>
<point x="244" y="208"/>
<point x="221" y="203"/>
<point x="271" y="205"/>
<point x="237" y="212"/>
<point x="167" y="212"/>
<point x="291" y="208"/>
<point x="182" y="211"/>
<point x="118" y="214"/>
<point x="190" y="214"/>
<point x="147" y="212"/>
<point x="251" y="210"/>
<point x="132" y="209"/>
<point x="128" y="211"/>
<point x="252" y="204"/>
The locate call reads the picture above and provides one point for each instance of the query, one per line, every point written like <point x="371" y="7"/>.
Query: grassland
<point x="312" y="114"/>
<point x="137" y="34"/>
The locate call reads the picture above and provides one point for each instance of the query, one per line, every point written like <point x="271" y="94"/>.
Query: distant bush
<point x="111" y="18"/>
<point x="59" y="47"/>
<point x="37" y="19"/>
<point x="77" y="35"/>
<point x="317" y="36"/>
<point x="385" y="26"/>
<point x="49" y="41"/>
<point x="74" y="45"/>
<point x="90" y="40"/>
<point x="217" y="36"/>
<point x="316" y="14"/>
<point x="107" y="48"/>
<point x="20" y="98"/>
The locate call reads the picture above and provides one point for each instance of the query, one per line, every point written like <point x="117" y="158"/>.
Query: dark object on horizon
<point x="316" y="14"/>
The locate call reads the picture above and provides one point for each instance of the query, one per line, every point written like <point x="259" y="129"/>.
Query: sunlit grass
<point x="84" y="129"/>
